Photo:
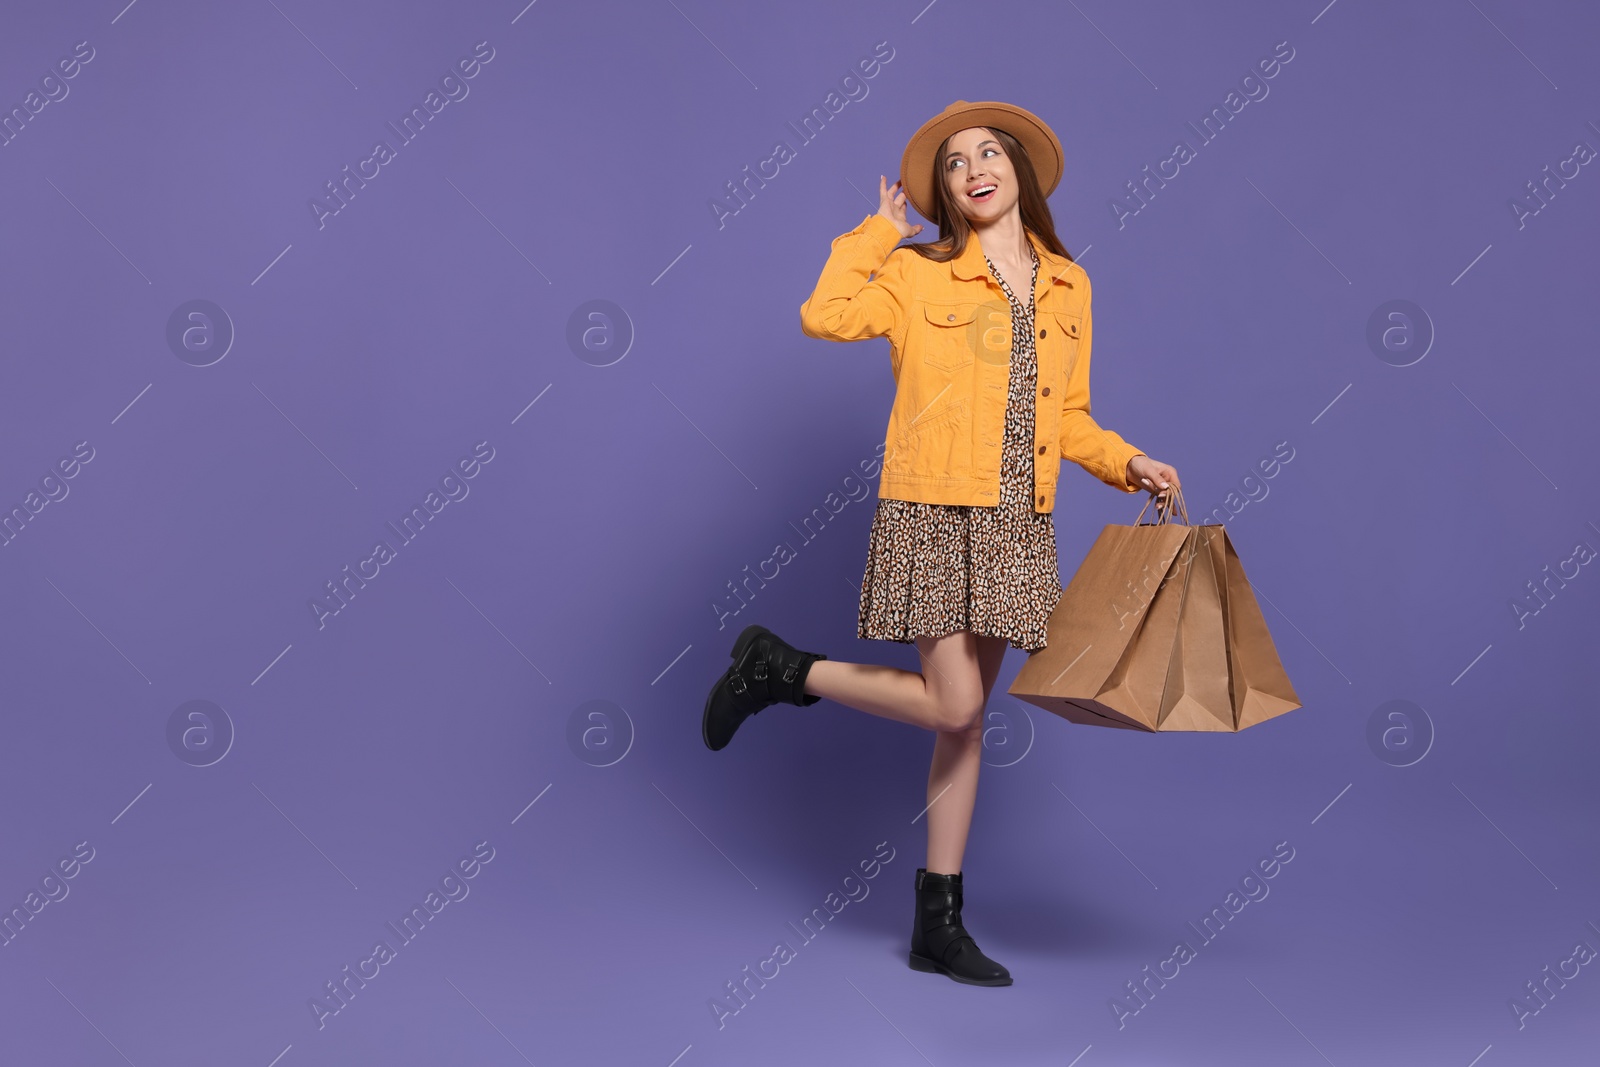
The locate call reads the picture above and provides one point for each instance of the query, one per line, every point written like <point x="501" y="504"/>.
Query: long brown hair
<point x="954" y="229"/>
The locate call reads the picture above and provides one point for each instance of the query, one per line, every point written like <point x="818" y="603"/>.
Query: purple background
<point x="446" y="703"/>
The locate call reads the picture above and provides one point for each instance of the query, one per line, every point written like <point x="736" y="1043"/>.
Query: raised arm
<point x="1103" y="453"/>
<point x="849" y="303"/>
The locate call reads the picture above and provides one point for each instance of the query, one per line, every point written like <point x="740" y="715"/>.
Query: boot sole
<point x="740" y="646"/>
<point x="923" y="963"/>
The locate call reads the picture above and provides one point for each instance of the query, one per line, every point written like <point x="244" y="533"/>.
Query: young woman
<point x="989" y="331"/>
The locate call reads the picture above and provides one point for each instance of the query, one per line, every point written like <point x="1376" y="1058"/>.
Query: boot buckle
<point x="737" y="684"/>
<point x="790" y="673"/>
<point x="760" y="672"/>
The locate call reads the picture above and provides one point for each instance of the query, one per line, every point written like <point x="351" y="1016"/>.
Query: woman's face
<point x="974" y="160"/>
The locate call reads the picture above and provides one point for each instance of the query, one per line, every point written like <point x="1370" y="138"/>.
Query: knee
<point x="962" y="716"/>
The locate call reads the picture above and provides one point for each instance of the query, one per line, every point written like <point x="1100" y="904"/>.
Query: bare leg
<point x="953" y="775"/>
<point x="947" y="695"/>
<point x="959" y="672"/>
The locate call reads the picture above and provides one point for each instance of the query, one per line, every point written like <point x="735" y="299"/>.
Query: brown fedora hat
<point x="1040" y="142"/>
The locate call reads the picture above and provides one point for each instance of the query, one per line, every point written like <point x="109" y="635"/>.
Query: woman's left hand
<point x="1153" y="475"/>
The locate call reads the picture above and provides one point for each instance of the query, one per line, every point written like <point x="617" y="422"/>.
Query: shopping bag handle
<point x="1164" y="512"/>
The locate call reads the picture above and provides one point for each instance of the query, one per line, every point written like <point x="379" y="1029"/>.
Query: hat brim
<point x="1037" y="139"/>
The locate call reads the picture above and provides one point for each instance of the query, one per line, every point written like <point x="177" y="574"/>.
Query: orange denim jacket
<point x="949" y="330"/>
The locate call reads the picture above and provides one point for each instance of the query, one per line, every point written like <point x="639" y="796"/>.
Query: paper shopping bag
<point x="1196" y="695"/>
<point x="1132" y="693"/>
<point x="1261" y="688"/>
<point x="1121" y="584"/>
<point x="1192" y="654"/>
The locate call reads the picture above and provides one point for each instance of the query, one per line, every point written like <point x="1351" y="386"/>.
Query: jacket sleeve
<point x="846" y="305"/>
<point x="1101" y="452"/>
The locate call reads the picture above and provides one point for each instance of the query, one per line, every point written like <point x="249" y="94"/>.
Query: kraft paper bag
<point x="1108" y="601"/>
<point x="1191" y="654"/>
<point x="1197" y="693"/>
<point x="1132" y="692"/>
<point x="1261" y="688"/>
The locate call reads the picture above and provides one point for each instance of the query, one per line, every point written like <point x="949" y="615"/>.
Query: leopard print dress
<point x="933" y="569"/>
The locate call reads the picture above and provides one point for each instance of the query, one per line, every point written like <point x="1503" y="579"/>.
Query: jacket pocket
<point x="1068" y="330"/>
<point x="948" y="334"/>
<point x="935" y="446"/>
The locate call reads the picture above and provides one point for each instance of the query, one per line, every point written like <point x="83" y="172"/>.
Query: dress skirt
<point x="933" y="569"/>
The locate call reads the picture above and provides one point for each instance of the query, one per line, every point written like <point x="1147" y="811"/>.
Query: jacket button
<point x="1041" y="500"/>
<point x="1043" y="332"/>
<point x="950" y="318"/>
<point x="1041" y="450"/>
<point x="1045" y="391"/>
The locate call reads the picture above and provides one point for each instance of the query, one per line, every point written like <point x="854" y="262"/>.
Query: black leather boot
<point x="939" y="943"/>
<point x="766" y="670"/>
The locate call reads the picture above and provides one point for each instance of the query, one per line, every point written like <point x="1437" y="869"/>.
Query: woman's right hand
<point x="893" y="208"/>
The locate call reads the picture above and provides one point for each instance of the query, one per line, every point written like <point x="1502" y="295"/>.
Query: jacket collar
<point x="1052" y="268"/>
